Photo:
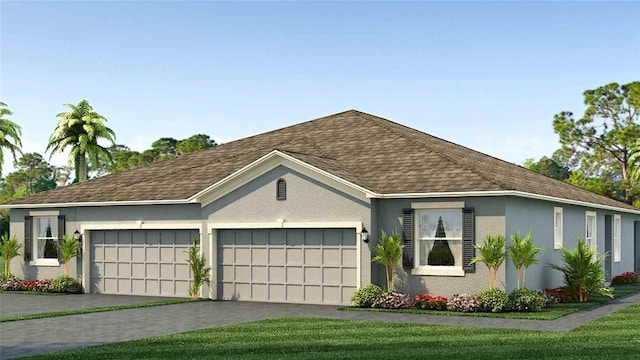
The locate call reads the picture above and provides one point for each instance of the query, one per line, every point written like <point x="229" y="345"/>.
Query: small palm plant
<point x="583" y="273"/>
<point x="9" y="249"/>
<point x="199" y="269"/>
<point x="389" y="253"/>
<point x="523" y="253"/>
<point x="69" y="248"/>
<point x="491" y="253"/>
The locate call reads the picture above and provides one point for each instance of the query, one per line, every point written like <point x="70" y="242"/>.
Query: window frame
<point x="593" y="240"/>
<point x="617" y="238"/>
<point x="35" y="217"/>
<point x="558" y="227"/>
<point x="417" y="269"/>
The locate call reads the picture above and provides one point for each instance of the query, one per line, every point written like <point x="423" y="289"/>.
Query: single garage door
<point x="141" y="262"/>
<point x="313" y="266"/>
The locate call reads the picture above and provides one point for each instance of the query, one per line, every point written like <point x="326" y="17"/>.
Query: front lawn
<point x="616" y="336"/>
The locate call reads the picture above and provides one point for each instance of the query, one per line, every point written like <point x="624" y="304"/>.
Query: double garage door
<point x="313" y="266"/>
<point x="141" y="262"/>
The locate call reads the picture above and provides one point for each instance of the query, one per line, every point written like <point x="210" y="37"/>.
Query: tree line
<point x="599" y="151"/>
<point x="79" y="130"/>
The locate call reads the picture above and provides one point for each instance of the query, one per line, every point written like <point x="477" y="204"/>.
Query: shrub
<point x="428" y="302"/>
<point x="493" y="300"/>
<point x="43" y="285"/>
<point x="559" y="294"/>
<point x="548" y="299"/>
<point x="395" y="300"/>
<point x="463" y="303"/>
<point x="583" y="274"/>
<point x="12" y="284"/>
<point x="525" y="300"/>
<point x="66" y="284"/>
<point x="628" y="278"/>
<point x="199" y="269"/>
<point x="367" y="296"/>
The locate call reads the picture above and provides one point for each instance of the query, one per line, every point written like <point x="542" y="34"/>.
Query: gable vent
<point x="281" y="190"/>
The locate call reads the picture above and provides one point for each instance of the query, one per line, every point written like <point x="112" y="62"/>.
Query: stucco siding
<point x="489" y="219"/>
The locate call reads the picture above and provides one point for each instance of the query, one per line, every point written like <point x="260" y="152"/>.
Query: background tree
<point x="81" y="128"/>
<point x="604" y="137"/>
<point x="10" y="133"/>
<point x="194" y="143"/>
<point x="33" y="170"/>
<point x="551" y="167"/>
<point x="164" y="148"/>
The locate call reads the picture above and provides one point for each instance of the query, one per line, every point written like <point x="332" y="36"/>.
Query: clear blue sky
<point x="489" y="76"/>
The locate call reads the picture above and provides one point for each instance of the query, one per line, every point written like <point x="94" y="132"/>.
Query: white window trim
<point x="617" y="235"/>
<point x="558" y="229"/>
<point x="434" y="270"/>
<point x="45" y="262"/>
<point x="595" y="227"/>
<point x="51" y="262"/>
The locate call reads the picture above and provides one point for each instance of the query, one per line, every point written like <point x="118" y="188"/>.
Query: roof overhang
<point x="505" y="193"/>
<point x="101" y="203"/>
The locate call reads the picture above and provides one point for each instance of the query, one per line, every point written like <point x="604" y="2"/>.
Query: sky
<point x="486" y="75"/>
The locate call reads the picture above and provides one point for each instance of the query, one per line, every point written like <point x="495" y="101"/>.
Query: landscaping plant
<point x="525" y="300"/>
<point x="9" y="248"/>
<point x="463" y="303"/>
<point x="66" y="284"/>
<point x="389" y="253"/>
<point x="367" y="296"/>
<point x="523" y="253"/>
<point x="428" y="302"/>
<point x="582" y="271"/>
<point x="628" y="278"/>
<point x="69" y="248"/>
<point x="491" y="253"/>
<point x="199" y="269"/>
<point x="493" y="300"/>
<point x="395" y="300"/>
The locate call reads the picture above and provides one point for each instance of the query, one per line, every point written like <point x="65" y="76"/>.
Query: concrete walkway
<point x="31" y="337"/>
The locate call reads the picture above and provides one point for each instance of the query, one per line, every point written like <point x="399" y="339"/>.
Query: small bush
<point x="43" y="285"/>
<point x="395" y="300"/>
<point x="428" y="302"/>
<point x="560" y="295"/>
<point x="549" y="300"/>
<point x="12" y="284"/>
<point x="493" y="300"/>
<point x="463" y="303"/>
<point x="525" y="300"/>
<point x="66" y="284"/>
<point x="628" y="278"/>
<point x="367" y="296"/>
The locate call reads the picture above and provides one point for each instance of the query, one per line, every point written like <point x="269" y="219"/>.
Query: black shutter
<point x="468" y="240"/>
<point x="407" y="237"/>
<point x="61" y="233"/>
<point x="28" y="238"/>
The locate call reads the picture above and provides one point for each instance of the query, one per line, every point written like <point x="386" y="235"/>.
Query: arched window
<point x="281" y="190"/>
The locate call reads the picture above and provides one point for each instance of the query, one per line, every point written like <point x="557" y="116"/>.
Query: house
<point x="282" y="217"/>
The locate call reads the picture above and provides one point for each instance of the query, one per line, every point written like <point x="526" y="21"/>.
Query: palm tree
<point x="388" y="254"/>
<point x="9" y="248"/>
<point x="523" y="254"/>
<point x="10" y="133"/>
<point x="81" y="128"/>
<point x="69" y="248"/>
<point x="492" y="253"/>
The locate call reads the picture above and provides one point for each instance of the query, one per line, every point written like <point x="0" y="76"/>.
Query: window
<point x="42" y="234"/>
<point x="557" y="227"/>
<point x="281" y="190"/>
<point x="590" y="231"/>
<point x="617" y="230"/>
<point x="438" y="236"/>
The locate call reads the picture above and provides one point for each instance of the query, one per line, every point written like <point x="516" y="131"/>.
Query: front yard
<point x="616" y="336"/>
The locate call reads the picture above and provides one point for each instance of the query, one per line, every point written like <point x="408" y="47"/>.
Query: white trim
<point x="501" y="193"/>
<point x="44" y="213"/>
<point x="268" y="162"/>
<point x="594" y="237"/>
<point x="438" y="205"/>
<point x="617" y="235"/>
<point x="558" y="229"/>
<point x="44" y="262"/>
<point x="438" y="271"/>
<point x="280" y="223"/>
<point x="97" y="204"/>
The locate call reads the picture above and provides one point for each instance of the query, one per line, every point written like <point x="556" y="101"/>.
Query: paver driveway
<point x="30" y="337"/>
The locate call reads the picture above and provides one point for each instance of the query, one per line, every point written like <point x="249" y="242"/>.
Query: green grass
<point x="616" y="336"/>
<point x="552" y="313"/>
<point x="92" y="310"/>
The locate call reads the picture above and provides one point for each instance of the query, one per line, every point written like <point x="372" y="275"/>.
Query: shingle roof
<point x="392" y="159"/>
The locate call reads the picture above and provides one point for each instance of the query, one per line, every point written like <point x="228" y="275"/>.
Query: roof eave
<point x="97" y="203"/>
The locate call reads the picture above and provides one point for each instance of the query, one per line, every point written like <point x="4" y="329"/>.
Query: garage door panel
<point x="140" y="262"/>
<point x="287" y="265"/>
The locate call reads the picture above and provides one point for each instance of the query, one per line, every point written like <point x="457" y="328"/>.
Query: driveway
<point x="31" y="337"/>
